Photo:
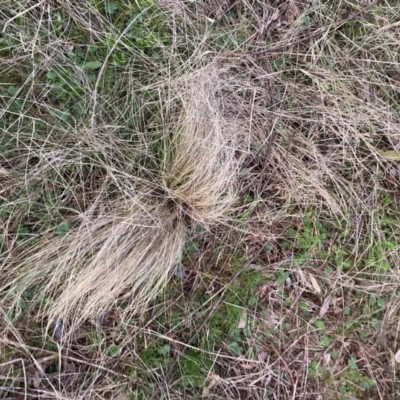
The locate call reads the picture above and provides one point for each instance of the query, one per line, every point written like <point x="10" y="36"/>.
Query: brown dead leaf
<point x="314" y="283"/>
<point x="288" y="283"/>
<point x="69" y="372"/>
<point x="35" y="382"/>
<point x="237" y="371"/>
<point x="397" y="356"/>
<point x="59" y="329"/>
<point x="292" y="12"/>
<point x="213" y="379"/>
<point x="395" y="79"/>
<point x="263" y="291"/>
<point x="3" y="171"/>
<point x="248" y="366"/>
<point x="243" y="319"/>
<point x="326" y="359"/>
<point x="102" y="209"/>
<point x="252" y="267"/>
<point x="325" y="306"/>
<point x="37" y="379"/>
<point x="122" y="396"/>
<point x="273" y="319"/>
<point x="275" y="15"/>
<point x="80" y="334"/>
<point x="109" y="318"/>
<point x="69" y="367"/>
<point x="68" y="47"/>
<point x="262" y="355"/>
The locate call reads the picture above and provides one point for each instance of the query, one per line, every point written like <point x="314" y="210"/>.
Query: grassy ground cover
<point x="183" y="219"/>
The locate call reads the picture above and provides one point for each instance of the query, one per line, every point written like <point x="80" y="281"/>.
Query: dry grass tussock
<point x="299" y="151"/>
<point x="128" y="233"/>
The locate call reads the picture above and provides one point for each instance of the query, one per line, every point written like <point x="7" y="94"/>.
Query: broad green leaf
<point x="22" y="232"/>
<point x="191" y="246"/>
<point x="306" y="21"/>
<point x="235" y="348"/>
<point x="62" y="229"/>
<point x="114" y="350"/>
<point x="110" y="7"/>
<point x="319" y="324"/>
<point x="92" y="65"/>
<point x="392" y="155"/>
<point x="12" y="90"/>
<point x="352" y="364"/>
<point x="146" y="3"/>
<point x="180" y="271"/>
<point x="252" y="301"/>
<point x="325" y="341"/>
<point x="164" y="350"/>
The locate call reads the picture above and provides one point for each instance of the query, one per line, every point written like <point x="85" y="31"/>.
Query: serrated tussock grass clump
<point x="125" y="206"/>
<point x="122" y="134"/>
